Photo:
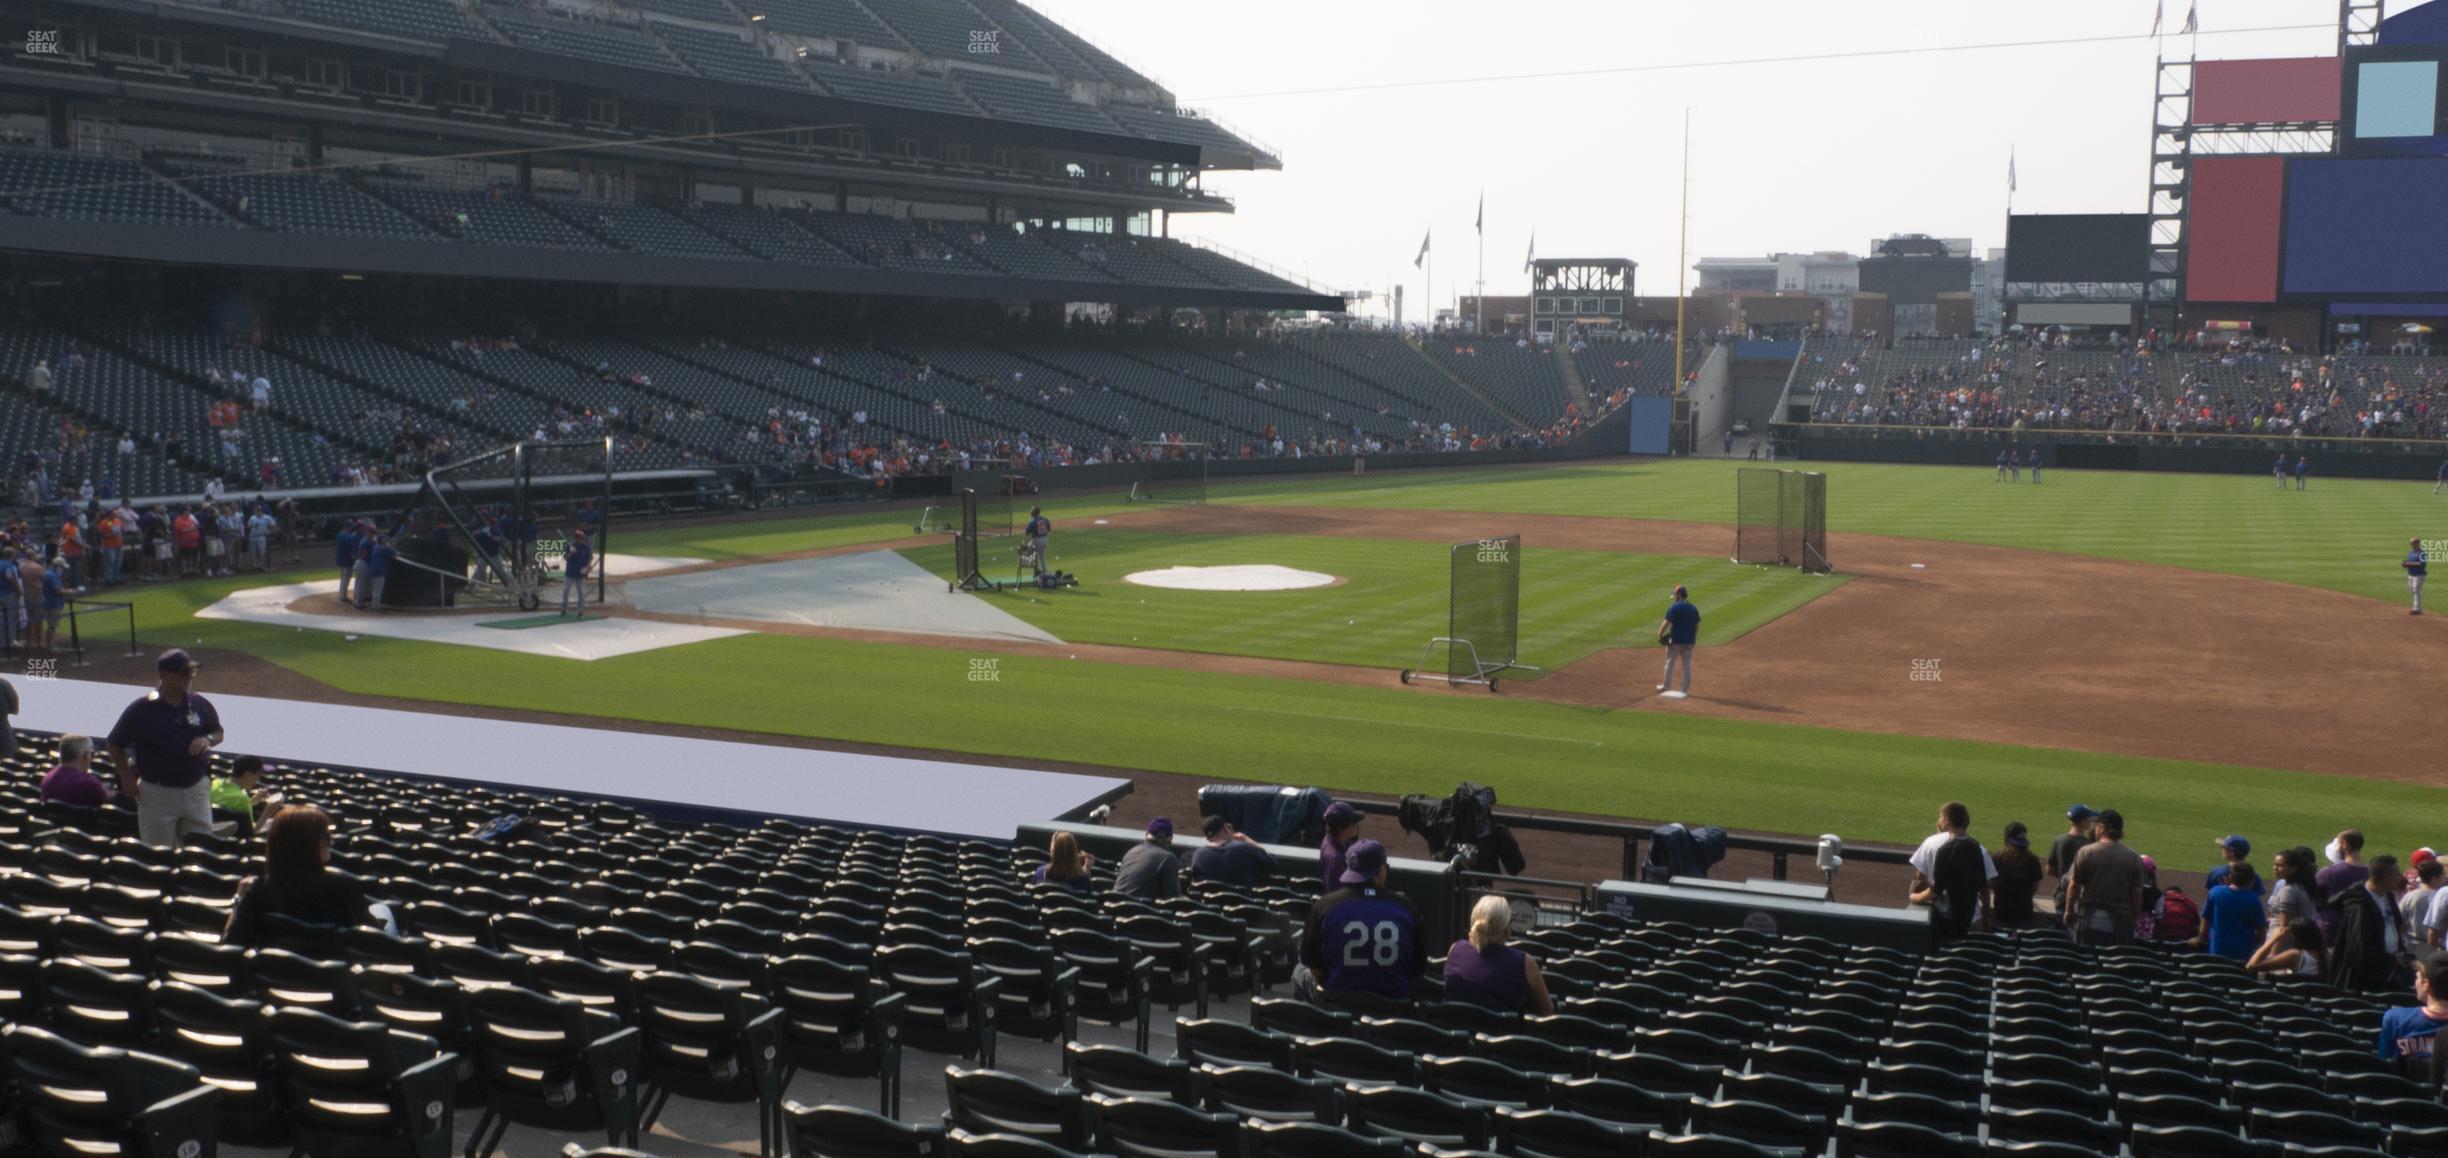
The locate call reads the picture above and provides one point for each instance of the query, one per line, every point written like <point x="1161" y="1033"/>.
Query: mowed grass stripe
<point x="1395" y="598"/>
<point x="2340" y="534"/>
<point x="1657" y="765"/>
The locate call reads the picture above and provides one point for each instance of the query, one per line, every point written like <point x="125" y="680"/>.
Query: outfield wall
<point x="2331" y="457"/>
<point x="1120" y="475"/>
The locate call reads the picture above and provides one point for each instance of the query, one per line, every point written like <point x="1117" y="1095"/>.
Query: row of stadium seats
<point x="642" y="961"/>
<point x="390" y="402"/>
<point x="194" y="191"/>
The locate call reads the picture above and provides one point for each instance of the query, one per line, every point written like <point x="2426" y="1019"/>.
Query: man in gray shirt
<point x="1150" y="871"/>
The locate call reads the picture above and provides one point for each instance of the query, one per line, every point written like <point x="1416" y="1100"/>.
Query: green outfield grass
<point x="1573" y="602"/>
<point x="1653" y="764"/>
<point x="2341" y="534"/>
<point x="1649" y="764"/>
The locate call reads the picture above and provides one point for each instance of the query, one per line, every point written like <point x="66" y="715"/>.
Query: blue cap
<point x="2236" y="844"/>
<point x="2081" y="812"/>
<point x="1361" y="862"/>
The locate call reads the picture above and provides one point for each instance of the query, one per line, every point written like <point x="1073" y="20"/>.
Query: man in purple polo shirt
<point x="1342" y="828"/>
<point x="170" y="734"/>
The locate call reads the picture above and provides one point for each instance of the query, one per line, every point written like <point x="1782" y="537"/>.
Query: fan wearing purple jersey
<point x="1361" y="938"/>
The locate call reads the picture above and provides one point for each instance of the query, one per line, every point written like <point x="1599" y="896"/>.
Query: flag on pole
<point x="2192" y="18"/>
<point x="2158" y="17"/>
<point x="1531" y="257"/>
<point x="1479" y="223"/>
<point x="1423" y="253"/>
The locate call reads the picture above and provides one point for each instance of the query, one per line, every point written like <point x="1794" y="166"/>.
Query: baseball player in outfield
<point x="2416" y="566"/>
<point x="1679" y="631"/>
<point x="2441" y="487"/>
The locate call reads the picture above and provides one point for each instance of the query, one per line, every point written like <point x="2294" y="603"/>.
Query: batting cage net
<point x="1780" y="518"/>
<point x="1485" y="609"/>
<point x="1177" y="473"/>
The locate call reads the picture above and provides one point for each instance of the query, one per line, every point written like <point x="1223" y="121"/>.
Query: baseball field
<point x="2207" y="653"/>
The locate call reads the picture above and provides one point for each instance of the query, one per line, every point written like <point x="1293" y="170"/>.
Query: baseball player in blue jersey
<point x="1361" y="938"/>
<point x="2035" y="465"/>
<point x="2441" y="487"/>
<point x="2001" y="473"/>
<point x="2416" y="566"/>
<point x="2303" y="470"/>
<point x="2280" y="471"/>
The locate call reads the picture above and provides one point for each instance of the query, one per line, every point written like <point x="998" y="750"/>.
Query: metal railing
<point x="2292" y="440"/>
<point x="1780" y="849"/>
<point x="74" y="611"/>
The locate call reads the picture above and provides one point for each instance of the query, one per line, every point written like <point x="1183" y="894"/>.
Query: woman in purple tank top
<point x="1483" y="970"/>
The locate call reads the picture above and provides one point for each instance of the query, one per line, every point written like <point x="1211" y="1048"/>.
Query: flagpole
<point x="1682" y="247"/>
<point x="1479" y="310"/>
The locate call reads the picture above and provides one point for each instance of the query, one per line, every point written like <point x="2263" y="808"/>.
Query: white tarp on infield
<point x="870" y="591"/>
<point x="970" y="800"/>
<point x="589" y="639"/>
<point x="1237" y="577"/>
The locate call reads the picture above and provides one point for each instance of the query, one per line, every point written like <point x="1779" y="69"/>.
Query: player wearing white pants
<point x="1679" y="631"/>
<point x="2416" y="567"/>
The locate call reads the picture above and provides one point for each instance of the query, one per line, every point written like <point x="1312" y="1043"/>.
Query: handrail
<point x="1221" y="249"/>
<point x="1779" y="848"/>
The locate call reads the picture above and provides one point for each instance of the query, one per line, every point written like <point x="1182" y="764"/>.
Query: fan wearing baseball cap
<point x="170" y="732"/>
<point x="2238" y="851"/>
<point x="1342" y="828"/>
<point x="1150" y="871"/>
<point x="2069" y="842"/>
<point x="2408" y="1032"/>
<point x="1360" y="938"/>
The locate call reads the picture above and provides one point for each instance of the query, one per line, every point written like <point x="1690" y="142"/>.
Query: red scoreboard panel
<point x="2250" y="92"/>
<point x="2232" y="229"/>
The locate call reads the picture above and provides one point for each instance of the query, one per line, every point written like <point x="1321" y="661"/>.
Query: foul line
<point x="1400" y="724"/>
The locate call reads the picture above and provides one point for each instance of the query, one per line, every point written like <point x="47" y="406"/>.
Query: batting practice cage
<point x="1177" y="473"/>
<point x="1780" y="518"/>
<point x="1482" y="616"/>
<point x="489" y="529"/>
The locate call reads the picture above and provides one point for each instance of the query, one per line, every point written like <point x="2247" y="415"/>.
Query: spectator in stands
<point x="1361" y="938"/>
<point x="1342" y="828"/>
<point x="2233" y="923"/>
<point x="2062" y="850"/>
<point x="2106" y="886"/>
<point x="2294" y="891"/>
<point x="2414" y="908"/>
<point x="1230" y="857"/>
<point x="241" y="792"/>
<point x="1067" y="865"/>
<point x="2018" y="877"/>
<point x="162" y="747"/>
<point x="2293" y="948"/>
<point x="1481" y="969"/>
<point x="2344" y="871"/>
<point x="72" y="782"/>
<point x="2364" y="954"/>
<point x="2408" y="1032"/>
<point x="38" y="379"/>
<point x="2237" y="850"/>
<point x="1150" y="871"/>
<point x="296" y="882"/>
<point x="1951" y="874"/>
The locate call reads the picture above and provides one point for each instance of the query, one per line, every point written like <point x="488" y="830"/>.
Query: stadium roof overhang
<point x="340" y="118"/>
<point x="325" y="253"/>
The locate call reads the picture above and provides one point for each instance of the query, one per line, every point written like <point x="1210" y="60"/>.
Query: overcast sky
<point x="1801" y="154"/>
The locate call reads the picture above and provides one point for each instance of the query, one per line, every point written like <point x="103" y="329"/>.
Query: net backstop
<point x="1780" y="518"/>
<point x="1482" y="615"/>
